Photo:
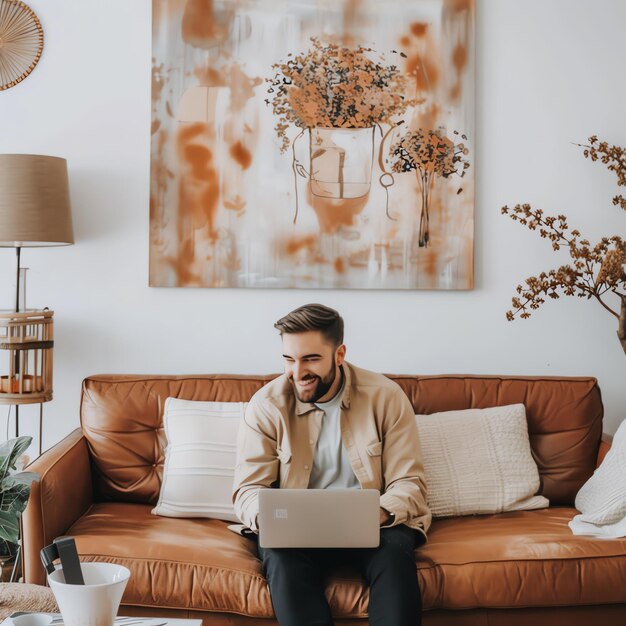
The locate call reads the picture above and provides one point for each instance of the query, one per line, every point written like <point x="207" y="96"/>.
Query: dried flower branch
<point x="593" y="271"/>
<point x="336" y="87"/>
<point x="614" y="157"/>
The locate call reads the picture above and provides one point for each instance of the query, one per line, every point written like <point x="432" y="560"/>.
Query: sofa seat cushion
<point x="519" y="559"/>
<point x="175" y="563"/>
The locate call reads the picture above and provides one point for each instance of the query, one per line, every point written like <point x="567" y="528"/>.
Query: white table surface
<point x="168" y="620"/>
<point x="179" y="622"/>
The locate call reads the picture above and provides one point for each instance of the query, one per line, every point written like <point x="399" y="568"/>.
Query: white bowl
<point x="97" y="601"/>
<point x="32" y="619"/>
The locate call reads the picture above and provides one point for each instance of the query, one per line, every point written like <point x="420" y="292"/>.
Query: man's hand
<point x="385" y="516"/>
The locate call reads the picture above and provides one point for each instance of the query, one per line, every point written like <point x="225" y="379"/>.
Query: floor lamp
<point x="34" y="212"/>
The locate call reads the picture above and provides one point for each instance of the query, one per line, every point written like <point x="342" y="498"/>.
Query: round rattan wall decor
<point x="21" y="42"/>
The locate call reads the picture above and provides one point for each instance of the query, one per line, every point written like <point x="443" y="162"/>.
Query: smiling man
<point x="327" y="424"/>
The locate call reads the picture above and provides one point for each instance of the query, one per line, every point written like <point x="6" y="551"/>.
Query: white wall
<point x="548" y="74"/>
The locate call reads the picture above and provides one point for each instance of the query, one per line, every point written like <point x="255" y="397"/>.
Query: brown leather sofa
<point x="100" y="483"/>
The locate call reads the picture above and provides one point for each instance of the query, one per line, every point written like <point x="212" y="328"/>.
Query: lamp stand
<point x="18" y="251"/>
<point x="18" y="254"/>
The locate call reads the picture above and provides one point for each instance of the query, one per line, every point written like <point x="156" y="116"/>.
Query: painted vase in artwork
<point x="341" y="162"/>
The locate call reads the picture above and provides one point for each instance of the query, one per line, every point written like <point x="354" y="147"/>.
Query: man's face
<point x="313" y="365"/>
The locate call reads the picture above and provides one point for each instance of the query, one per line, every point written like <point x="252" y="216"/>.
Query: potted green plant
<point x="597" y="271"/>
<point x="14" y="492"/>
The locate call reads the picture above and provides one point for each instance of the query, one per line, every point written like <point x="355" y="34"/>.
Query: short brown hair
<point x="313" y="317"/>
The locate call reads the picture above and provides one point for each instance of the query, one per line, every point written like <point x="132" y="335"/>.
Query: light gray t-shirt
<point x="331" y="466"/>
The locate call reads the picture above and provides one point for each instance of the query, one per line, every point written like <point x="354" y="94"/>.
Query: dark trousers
<point x="296" y="580"/>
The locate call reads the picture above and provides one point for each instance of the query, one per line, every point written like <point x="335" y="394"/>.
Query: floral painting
<point x="312" y="144"/>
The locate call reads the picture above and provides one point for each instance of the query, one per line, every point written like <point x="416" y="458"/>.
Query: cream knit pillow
<point x="479" y="461"/>
<point x="602" y="499"/>
<point x="199" y="459"/>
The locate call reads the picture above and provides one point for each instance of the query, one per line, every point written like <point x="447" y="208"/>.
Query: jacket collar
<point x="306" y="407"/>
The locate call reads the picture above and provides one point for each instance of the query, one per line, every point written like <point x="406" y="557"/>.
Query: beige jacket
<point x="278" y="437"/>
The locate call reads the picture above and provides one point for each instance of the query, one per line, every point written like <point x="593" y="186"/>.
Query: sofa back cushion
<point x="122" y="418"/>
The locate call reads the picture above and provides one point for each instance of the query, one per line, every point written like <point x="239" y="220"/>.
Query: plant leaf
<point x="9" y="453"/>
<point x="9" y="527"/>
<point x="23" y="478"/>
<point x="14" y="498"/>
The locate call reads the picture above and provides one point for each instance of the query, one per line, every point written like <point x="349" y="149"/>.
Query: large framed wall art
<point x="312" y="144"/>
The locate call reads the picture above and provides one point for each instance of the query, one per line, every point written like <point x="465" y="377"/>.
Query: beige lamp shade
<point x="34" y="201"/>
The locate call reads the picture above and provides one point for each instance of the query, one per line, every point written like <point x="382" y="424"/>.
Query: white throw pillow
<point x="478" y="461"/>
<point x="602" y="499"/>
<point x="199" y="459"/>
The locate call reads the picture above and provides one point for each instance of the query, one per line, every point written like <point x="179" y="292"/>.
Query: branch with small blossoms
<point x="593" y="272"/>
<point x="614" y="157"/>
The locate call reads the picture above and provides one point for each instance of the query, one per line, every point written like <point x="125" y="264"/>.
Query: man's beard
<point x="320" y="389"/>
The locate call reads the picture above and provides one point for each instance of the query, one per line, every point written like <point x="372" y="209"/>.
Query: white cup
<point x="96" y="602"/>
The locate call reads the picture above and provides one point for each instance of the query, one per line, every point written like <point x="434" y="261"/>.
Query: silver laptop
<point x="319" y="518"/>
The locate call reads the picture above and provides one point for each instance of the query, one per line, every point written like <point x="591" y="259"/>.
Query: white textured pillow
<point x="199" y="459"/>
<point x="479" y="461"/>
<point x="602" y="499"/>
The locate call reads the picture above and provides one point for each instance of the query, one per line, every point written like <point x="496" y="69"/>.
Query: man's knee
<point x="288" y="562"/>
<point x="401" y="539"/>
<point x="395" y="552"/>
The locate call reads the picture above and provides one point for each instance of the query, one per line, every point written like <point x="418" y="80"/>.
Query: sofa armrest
<point x="605" y="446"/>
<point x="63" y="493"/>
